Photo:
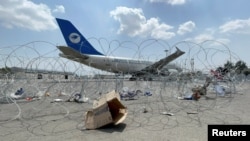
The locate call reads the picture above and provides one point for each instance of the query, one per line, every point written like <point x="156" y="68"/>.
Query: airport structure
<point x="21" y="73"/>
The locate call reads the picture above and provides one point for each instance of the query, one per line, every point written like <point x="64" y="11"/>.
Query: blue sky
<point x="170" y="21"/>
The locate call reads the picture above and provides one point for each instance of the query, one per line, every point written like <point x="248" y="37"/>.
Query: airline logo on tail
<point x="74" y="38"/>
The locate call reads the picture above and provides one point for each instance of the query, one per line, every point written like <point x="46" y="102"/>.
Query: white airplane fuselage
<point x="119" y="64"/>
<point x="116" y="64"/>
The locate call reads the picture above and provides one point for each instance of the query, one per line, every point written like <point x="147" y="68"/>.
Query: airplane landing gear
<point x="134" y="78"/>
<point x="147" y="79"/>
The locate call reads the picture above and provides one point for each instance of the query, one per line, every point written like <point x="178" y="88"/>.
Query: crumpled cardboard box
<point x="107" y="110"/>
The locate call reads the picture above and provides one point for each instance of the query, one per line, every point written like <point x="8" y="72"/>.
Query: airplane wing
<point x="157" y="66"/>
<point x="71" y="54"/>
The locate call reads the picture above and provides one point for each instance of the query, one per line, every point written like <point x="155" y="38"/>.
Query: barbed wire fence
<point x="46" y="77"/>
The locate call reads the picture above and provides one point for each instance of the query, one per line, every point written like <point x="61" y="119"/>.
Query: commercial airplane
<point x="80" y="50"/>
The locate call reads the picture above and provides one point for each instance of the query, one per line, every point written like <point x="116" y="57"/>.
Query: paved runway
<point x="45" y="120"/>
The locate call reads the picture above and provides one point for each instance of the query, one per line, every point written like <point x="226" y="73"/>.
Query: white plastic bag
<point x="219" y="90"/>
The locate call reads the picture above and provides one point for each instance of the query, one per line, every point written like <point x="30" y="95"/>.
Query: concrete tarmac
<point x="45" y="120"/>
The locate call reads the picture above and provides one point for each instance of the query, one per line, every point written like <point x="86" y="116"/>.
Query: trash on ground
<point x="29" y="98"/>
<point x="47" y="94"/>
<point x="148" y="93"/>
<point x="78" y="98"/>
<point x="19" y="91"/>
<point x="19" y="94"/>
<point x="107" y="110"/>
<point x="14" y="96"/>
<point x="191" y="96"/>
<point x="127" y="94"/>
<point x="220" y="91"/>
<point x="58" y="100"/>
<point x="145" y="110"/>
<point x="167" y="113"/>
<point x="197" y="91"/>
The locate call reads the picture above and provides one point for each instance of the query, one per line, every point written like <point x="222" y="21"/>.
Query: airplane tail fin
<point x="75" y="39"/>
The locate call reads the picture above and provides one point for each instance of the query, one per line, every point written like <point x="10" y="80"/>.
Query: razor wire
<point x="46" y="78"/>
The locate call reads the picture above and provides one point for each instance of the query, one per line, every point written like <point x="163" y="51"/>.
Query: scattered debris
<point x="47" y="94"/>
<point x="33" y="98"/>
<point x="19" y="91"/>
<point x="14" y="96"/>
<point x="107" y="110"/>
<point x="126" y="94"/>
<point x="195" y="96"/>
<point x="144" y="110"/>
<point x="29" y="98"/>
<point x="19" y="94"/>
<point x="58" y="100"/>
<point x="197" y="91"/>
<point x="220" y="91"/>
<point x="78" y="98"/>
<point x="167" y="113"/>
<point x="148" y="93"/>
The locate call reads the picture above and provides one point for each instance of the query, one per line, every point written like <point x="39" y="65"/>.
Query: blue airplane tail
<point x="75" y="39"/>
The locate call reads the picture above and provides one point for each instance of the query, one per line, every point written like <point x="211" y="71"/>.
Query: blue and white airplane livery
<point x="80" y="50"/>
